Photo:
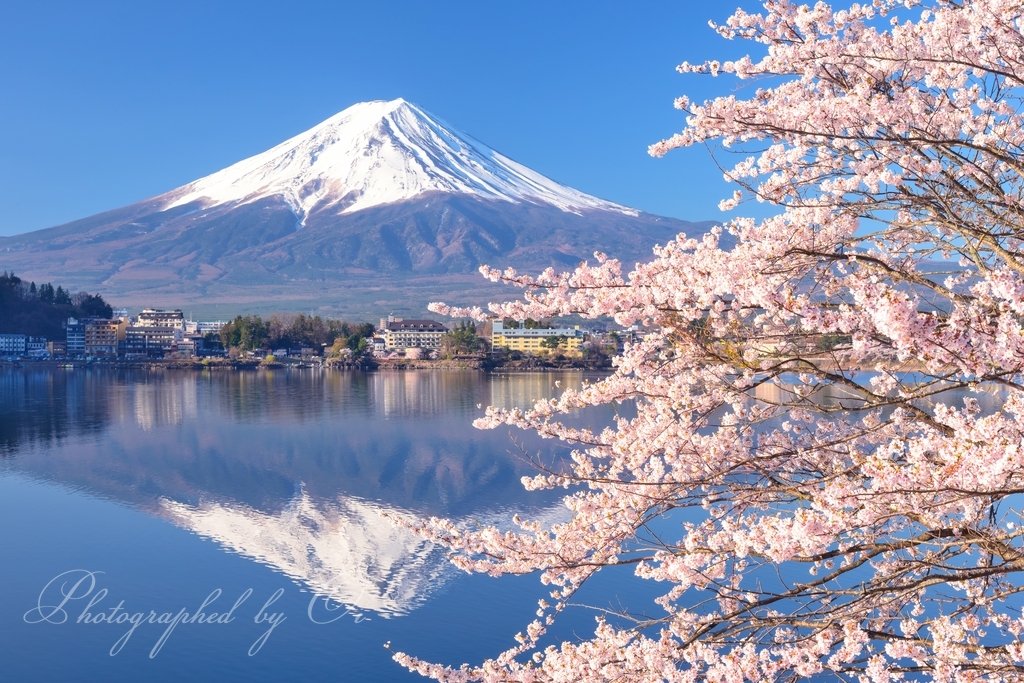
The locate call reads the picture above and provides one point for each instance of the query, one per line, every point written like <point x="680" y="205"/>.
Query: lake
<point x="221" y="525"/>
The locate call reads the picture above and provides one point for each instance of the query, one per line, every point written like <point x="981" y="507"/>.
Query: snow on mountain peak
<point x="375" y="153"/>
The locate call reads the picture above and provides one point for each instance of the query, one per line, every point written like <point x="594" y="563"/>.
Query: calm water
<point x="275" y="497"/>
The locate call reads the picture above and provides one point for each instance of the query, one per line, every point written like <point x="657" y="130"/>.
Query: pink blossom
<point x="829" y="425"/>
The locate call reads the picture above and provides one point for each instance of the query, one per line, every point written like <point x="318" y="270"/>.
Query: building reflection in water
<point x="159" y="404"/>
<point x="522" y="390"/>
<point x="404" y="394"/>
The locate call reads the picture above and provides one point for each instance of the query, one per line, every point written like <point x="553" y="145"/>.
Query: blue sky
<point x="106" y="103"/>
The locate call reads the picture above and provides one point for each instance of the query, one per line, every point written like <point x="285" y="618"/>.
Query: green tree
<point x="554" y="342"/>
<point x="91" y="305"/>
<point x="27" y="308"/>
<point x="460" y="340"/>
<point x="47" y="294"/>
<point x="245" y="332"/>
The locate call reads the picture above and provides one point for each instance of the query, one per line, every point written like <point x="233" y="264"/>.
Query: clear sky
<point x="108" y="102"/>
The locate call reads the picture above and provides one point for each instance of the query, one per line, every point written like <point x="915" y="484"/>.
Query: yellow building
<point x="535" y="341"/>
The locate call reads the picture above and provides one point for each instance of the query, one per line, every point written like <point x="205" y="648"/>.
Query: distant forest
<point x="40" y="310"/>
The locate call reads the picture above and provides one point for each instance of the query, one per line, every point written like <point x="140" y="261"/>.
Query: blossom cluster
<point x="829" y="412"/>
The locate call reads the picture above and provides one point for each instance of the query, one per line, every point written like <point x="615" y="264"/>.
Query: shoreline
<point x="375" y="365"/>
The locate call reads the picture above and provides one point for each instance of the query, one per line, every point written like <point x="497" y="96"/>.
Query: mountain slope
<point x="379" y="203"/>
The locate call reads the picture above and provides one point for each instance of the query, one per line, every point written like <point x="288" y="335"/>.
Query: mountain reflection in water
<point x="316" y="475"/>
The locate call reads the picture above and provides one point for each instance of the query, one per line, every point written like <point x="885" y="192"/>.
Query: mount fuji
<point x="381" y="205"/>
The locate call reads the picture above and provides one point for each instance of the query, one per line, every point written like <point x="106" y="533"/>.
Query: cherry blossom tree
<point x="824" y="472"/>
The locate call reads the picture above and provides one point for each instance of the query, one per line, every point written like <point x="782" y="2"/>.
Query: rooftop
<point x="415" y="326"/>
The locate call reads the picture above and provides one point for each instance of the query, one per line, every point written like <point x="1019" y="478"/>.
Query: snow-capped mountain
<point x="376" y="153"/>
<point x="380" y="207"/>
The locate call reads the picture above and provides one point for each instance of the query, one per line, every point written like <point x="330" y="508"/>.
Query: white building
<point x="401" y="334"/>
<point x="210" y="326"/>
<point x="155" y="317"/>
<point x="12" y="344"/>
<point x="150" y="342"/>
<point x="35" y="346"/>
<point x="75" y="337"/>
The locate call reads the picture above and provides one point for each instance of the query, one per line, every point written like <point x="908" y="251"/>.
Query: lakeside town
<point x="47" y="323"/>
<point x="167" y="335"/>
